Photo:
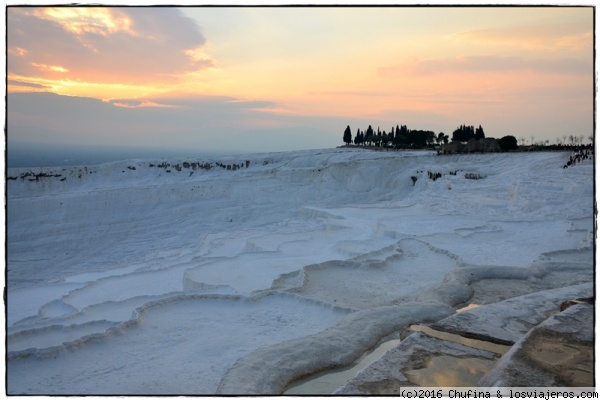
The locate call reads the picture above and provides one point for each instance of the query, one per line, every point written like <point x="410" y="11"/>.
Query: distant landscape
<point x="21" y="154"/>
<point x="48" y="155"/>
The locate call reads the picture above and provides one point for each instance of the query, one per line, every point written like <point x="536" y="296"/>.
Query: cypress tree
<point x="348" y="135"/>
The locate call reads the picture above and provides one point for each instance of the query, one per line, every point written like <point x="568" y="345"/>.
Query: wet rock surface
<point x="547" y="348"/>
<point x="507" y="321"/>
<point x="557" y="352"/>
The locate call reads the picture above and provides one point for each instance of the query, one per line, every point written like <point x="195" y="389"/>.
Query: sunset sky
<point x="284" y="78"/>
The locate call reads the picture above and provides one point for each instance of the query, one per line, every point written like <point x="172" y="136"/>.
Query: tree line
<point x="398" y="137"/>
<point x="464" y="133"/>
<point x="402" y="137"/>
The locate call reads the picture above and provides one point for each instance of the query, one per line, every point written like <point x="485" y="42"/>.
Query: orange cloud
<point x="69" y="87"/>
<point x="81" y="20"/>
<point x="17" y="86"/>
<point x="45" y="67"/>
<point x="104" y="49"/>
<point x="542" y="37"/>
<point x="140" y="104"/>
<point x="17" y="51"/>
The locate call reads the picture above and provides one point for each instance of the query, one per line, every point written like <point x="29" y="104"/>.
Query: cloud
<point x="542" y="37"/>
<point x="48" y="117"/>
<point x="485" y="64"/>
<point x="359" y="93"/>
<point x="209" y="123"/>
<point x="139" y="104"/>
<point x="212" y="103"/>
<point x="13" y="82"/>
<point x="142" y="104"/>
<point x="103" y="45"/>
<point x="80" y="20"/>
<point x="199" y="103"/>
<point x="54" y="68"/>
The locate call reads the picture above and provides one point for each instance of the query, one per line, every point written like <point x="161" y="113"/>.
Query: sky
<point x="285" y="78"/>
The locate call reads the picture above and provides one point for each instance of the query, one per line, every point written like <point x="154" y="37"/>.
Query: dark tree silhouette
<point x="507" y="143"/>
<point x="347" y="135"/>
<point x="442" y="138"/>
<point x="369" y="135"/>
<point x="479" y="134"/>
<point x="464" y="133"/>
<point x="357" y="137"/>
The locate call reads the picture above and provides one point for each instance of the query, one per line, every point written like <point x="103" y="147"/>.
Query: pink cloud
<point x="140" y="104"/>
<point x="486" y="64"/>
<point x="126" y="45"/>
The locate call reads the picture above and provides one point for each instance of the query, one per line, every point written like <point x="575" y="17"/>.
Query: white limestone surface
<point x="338" y="231"/>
